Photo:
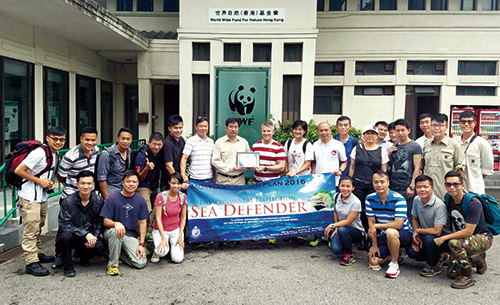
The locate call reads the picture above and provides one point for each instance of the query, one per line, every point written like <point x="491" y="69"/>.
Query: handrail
<point x="13" y="194"/>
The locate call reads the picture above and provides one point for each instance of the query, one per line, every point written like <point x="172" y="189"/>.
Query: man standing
<point x="80" y="224"/>
<point x="33" y="198"/>
<point x="386" y="211"/>
<point x="470" y="235"/>
<point x="382" y="129"/>
<point x="198" y="150"/>
<point x="424" y="122"/>
<point x="172" y="149"/>
<point x="429" y="218"/>
<point x="225" y="155"/>
<point x="122" y="213"/>
<point x="478" y="154"/>
<point x="441" y="154"/>
<point x="343" y="126"/>
<point x="272" y="155"/>
<point x="329" y="154"/>
<point x="113" y="162"/>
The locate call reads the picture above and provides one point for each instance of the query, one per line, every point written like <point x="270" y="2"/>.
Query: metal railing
<point x="9" y="193"/>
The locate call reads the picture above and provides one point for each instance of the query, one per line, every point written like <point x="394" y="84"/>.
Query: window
<point x="56" y="99"/>
<point x="232" y="52"/>
<point x="439" y="5"/>
<point x="490" y="5"/>
<point x="375" y="68"/>
<point x="201" y="96"/>
<point x="292" y="52"/>
<point x="327" y="100"/>
<point x="468" y="5"/>
<point x="145" y="6"/>
<point x="262" y="52"/>
<point x="477" y="67"/>
<point x="85" y="102"/>
<point x="374" y="90"/>
<point x="201" y="51"/>
<point x="425" y="68"/>
<point x="320" y="5"/>
<point x="476" y="90"/>
<point x="106" y="131"/>
<point x="329" y="68"/>
<point x="337" y="5"/>
<point x="416" y="5"/>
<point x="170" y="5"/>
<point x="124" y="5"/>
<point x="365" y="5"/>
<point x="388" y="5"/>
<point x="292" y="85"/>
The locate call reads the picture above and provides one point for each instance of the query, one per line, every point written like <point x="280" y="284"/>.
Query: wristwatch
<point x="265" y="169"/>
<point x="141" y="244"/>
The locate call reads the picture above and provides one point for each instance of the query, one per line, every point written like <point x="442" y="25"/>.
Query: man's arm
<point x="464" y="233"/>
<point x="217" y="161"/>
<point x="119" y="228"/>
<point x="102" y="173"/>
<point x="183" y="163"/>
<point x="22" y="171"/>
<point x="396" y="224"/>
<point x="417" y="161"/>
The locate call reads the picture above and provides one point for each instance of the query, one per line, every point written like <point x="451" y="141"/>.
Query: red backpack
<point x="17" y="156"/>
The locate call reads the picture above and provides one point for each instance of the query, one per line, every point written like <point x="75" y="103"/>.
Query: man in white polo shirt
<point x="198" y="150"/>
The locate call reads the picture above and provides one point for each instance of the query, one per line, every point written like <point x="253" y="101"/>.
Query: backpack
<point x="490" y="209"/>
<point x="164" y="202"/>
<point x="111" y="160"/>
<point x="134" y="153"/>
<point x="17" y="156"/>
<point x="304" y="146"/>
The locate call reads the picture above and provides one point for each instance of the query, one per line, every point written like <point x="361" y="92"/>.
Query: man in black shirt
<point x="172" y="150"/>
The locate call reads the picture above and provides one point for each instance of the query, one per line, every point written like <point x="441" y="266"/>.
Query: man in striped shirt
<point x="272" y="155"/>
<point x="198" y="150"/>
<point x="386" y="211"/>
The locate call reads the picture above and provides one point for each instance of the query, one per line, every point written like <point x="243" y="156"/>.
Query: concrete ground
<point x="251" y="273"/>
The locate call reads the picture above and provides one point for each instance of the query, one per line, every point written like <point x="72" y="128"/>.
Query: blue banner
<point x="279" y="208"/>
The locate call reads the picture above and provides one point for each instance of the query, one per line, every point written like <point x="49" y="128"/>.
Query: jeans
<point x="344" y="238"/>
<point x="429" y="251"/>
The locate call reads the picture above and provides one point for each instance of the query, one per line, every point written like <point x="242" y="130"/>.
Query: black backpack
<point x="134" y="153"/>
<point x="289" y="143"/>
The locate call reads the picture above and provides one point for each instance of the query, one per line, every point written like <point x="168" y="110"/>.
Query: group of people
<point x="386" y="187"/>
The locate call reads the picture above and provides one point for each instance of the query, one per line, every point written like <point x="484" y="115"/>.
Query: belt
<point x="230" y="176"/>
<point x="362" y="181"/>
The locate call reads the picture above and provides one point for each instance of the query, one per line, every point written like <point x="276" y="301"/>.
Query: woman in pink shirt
<point x="170" y="220"/>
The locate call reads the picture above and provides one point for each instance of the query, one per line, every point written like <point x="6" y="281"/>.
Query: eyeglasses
<point x="438" y="125"/>
<point x="465" y="122"/>
<point x="58" y="139"/>
<point x="455" y="184"/>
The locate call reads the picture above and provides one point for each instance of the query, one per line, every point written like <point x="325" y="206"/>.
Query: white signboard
<point x="246" y="15"/>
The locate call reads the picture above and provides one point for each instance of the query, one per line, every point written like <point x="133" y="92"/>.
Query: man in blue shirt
<point x="386" y="211"/>
<point x="343" y="126"/>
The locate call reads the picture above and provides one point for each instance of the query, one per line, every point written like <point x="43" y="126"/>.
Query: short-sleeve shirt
<point x="172" y="219"/>
<point x="269" y="155"/>
<point x="385" y="212"/>
<point x="402" y="164"/>
<point x="432" y="213"/>
<point x="474" y="215"/>
<point x="343" y="208"/>
<point x="349" y="146"/>
<point x="200" y="157"/>
<point x="126" y="210"/>
<point x="111" y="168"/>
<point x="152" y="178"/>
<point x="328" y="156"/>
<point x="296" y="156"/>
<point x="73" y="162"/>
<point x="36" y="161"/>
<point x="172" y="152"/>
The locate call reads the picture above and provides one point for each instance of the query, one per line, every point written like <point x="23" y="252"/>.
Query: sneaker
<point x="43" y="259"/>
<point x="113" y="271"/>
<point x="149" y="237"/>
<point x="272" y="241"/>
<point x="69" y="272"/>
<point x="155" y="258"/>
<point x="36" y="269"/>
<point x="57" y="263"/>
<point x="348" y="259"/>
<point x="315" y="242"/>
<point x="393" y="270"/>
<point x="84" y="263"/>
<point x="301" y="240"/>
<point x="430" y="272"/>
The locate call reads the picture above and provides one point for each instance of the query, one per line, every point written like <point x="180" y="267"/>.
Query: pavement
<point x="250" y="273"/>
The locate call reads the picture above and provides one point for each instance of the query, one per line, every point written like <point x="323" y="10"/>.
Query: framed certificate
<point x="248" y="159"/>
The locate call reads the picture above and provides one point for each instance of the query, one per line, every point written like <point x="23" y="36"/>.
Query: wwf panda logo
<point x="242" y="100"/>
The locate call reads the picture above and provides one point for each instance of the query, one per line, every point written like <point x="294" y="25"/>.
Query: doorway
<point x="420" y="99"/>
<point x="170" y="104"/>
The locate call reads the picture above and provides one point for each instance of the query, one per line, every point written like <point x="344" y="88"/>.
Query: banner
<point x="279" y="208"/>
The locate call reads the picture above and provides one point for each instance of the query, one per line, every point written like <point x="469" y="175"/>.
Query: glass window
<point x="292" y="87"/>
<point x="374" y="90"/>
<point x="468" y="5"/>
<point x="201" y="51"/>
<point x="329" y="68"/>
<point x="476" y="90"/>
<point x="106" y="131"/>
<point x="145" y="6"/>
<point x="425" y="68"/>
<point x="365" y="5"/>
<point x="56" y="99"/>
<point x="232" y="52"/>
<point x="439" y="5"/>
<point x="170" y="5"/>
<point x="124" y="5"/>
<point x="85" y="102"/>
<point x="477" y="67"/>
<point x="388" y="5"/>
<point x="490" y="5"/>
<point x="320" y="6"/>
<point x="375" y="68"/>
<point x="261" y="52"/>
<point x="201" y="96"/>
<point x="416" y="5"/>
<point x="327" y="100"/>
<point x="337" y="5"/>
<point x="292" y="52"/>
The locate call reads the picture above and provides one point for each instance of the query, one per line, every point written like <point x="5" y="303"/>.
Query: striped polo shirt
<point x="200" y="157"/>
<point x="269" y="155"/>
<point x="394" y="206"/>
<point x="73" y="162"/>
